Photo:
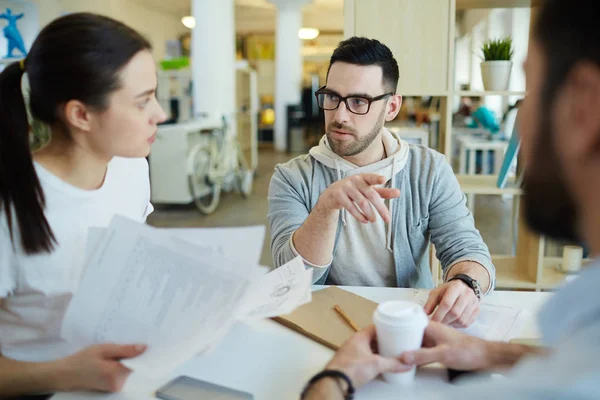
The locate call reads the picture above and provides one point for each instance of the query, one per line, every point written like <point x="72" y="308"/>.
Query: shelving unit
<point x="528" y="268"/>
<point x="489" y="93"/>
<point x="522" y="270"/>
<point x="486" y="185"/>
<point x="552" y="276"/>
<point x="422" y="36"/>
<point x="470" y="4"/>
<point x="510" y="275"/>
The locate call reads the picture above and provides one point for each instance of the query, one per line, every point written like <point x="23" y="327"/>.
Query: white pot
<point x="496" y="74"/>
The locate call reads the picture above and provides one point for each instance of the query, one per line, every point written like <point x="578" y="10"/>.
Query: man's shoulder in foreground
<point x="572" y="367"/>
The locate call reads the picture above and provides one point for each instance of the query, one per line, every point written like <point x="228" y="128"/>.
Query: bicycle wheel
<point x="206" y="194"/>
<point x="244" y="176"/>
<point x="245" y="181"/>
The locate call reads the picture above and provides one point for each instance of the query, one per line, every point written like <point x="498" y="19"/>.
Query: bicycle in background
<point x="216" y="165"/>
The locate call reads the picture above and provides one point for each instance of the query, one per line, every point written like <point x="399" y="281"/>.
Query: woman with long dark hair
<point x="92" y="80"/>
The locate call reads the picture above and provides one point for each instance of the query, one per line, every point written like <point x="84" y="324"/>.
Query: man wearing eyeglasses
<point x="362" y="206"/>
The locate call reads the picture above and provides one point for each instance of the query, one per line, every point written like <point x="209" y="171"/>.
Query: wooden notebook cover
<point x="318" y="320"/>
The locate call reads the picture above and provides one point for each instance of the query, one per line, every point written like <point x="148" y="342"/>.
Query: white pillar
<point x="288" y="64"/>
<point x="213" y="58"/>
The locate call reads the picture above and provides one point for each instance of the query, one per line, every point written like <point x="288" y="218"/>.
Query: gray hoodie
<point x="431" y="206"/>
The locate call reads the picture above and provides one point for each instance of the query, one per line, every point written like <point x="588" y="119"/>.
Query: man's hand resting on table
<point x="456" y="304"/>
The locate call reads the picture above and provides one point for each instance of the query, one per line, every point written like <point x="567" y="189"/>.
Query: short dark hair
<point x="365" y="51"/>
<point x="76" y="57"/>
<point x="568" y="33"/>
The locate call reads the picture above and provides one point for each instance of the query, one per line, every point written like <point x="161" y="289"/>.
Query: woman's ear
<point x="76" y="114"/>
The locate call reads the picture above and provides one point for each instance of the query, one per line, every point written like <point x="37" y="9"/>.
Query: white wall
<point x="250" y="19"/>
<point x="472" y="18"/>
<point x="155" y="24"/>
<point x="462" y="54"/>
<point x="520" y="32"/>
<point x="478" y="36"/>
<point x="47" y="10"/>
<point x="496" y="28"/>
<point x="95" y="6"/>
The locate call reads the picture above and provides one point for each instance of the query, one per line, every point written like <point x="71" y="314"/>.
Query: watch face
<point x="477" y="288"/>
<point x="473" y="283"/>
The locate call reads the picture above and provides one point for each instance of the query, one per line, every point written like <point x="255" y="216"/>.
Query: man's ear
<point x="577" y="113"/>
<point x="393" y="107"/>
<point x="77" y="114"/>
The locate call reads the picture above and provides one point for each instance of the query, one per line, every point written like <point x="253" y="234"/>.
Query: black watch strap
<point x="338" y="375"/>
<point x="470" y="282"/>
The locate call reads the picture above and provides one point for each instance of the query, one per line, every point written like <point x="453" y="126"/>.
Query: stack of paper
<point x="180" y="297"/>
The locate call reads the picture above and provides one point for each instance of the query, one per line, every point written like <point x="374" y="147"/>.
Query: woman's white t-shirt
<point x="37" y="288"/>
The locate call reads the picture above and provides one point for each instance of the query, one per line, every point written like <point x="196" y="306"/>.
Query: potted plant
<point x="497" y="63"/>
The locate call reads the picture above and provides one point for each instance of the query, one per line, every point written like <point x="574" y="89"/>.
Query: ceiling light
<point x="308" y="33"/>
<point x="189" y="22"/>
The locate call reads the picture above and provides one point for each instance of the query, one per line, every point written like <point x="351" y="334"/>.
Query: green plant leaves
<point x="498" y="49"/>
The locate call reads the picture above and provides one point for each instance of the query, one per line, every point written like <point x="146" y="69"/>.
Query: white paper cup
<point x="400" y="326"/>
<point x="572" y="256"/>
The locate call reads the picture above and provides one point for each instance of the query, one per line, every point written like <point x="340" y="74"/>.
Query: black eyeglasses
<point x="360" y="105"/>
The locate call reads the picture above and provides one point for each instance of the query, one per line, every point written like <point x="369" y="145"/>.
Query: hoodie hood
<point x="397" y="156"/>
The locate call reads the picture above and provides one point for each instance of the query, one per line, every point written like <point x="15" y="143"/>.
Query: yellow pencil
<point x="346" y="318"/>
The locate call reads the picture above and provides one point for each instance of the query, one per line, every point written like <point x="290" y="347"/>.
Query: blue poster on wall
<point x="20" y="23"/>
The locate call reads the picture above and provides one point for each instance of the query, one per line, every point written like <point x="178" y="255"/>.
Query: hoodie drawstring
<point x="339" y="177"/>
<point x="391" y="209"/>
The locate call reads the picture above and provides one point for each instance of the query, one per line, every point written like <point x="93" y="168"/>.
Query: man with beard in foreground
<point x="559" y="124"/>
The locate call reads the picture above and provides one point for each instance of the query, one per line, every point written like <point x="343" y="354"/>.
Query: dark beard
<point x="549" y="207"/>
<point x="361" y="144"/>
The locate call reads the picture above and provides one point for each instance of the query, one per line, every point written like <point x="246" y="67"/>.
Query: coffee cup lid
<point x="400" y="313"/>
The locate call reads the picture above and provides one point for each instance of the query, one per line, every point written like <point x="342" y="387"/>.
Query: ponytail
<point x="21" y="195"/>
<point x="75" y="57"/>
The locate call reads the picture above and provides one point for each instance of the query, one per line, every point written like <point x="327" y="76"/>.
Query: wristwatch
<point x="470" y="282"/>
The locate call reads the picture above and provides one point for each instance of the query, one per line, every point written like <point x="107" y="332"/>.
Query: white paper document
<point x="494" y="322"/>
<point x="280" y="291"/>
<point x="143" y="285"/>
<point x="242" y="243"/>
